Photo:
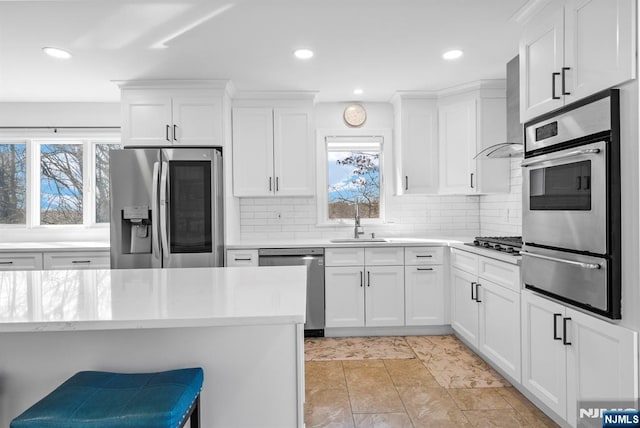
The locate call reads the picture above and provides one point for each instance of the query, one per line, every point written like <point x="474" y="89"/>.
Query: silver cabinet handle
<point x="424" y="268"/>
<point x="569" y="262"/>
<point x="248" y="259"/>
<point x="421" y="256"/>
<point x="80" y="261"/>
<point x="563" y="156"/>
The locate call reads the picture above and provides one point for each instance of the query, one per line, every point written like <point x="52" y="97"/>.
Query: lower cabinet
<point x="424" y="295"/>
<point x="359" y="296"/>
<point x="485" y="308"/>
<point x="77" y="260"/>
<point x="569" y="356"/>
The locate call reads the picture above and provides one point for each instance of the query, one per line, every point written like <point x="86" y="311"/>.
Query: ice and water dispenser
<point x="136" y="230"/>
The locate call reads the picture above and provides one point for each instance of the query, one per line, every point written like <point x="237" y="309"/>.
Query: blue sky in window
<point x="340" y="177"/>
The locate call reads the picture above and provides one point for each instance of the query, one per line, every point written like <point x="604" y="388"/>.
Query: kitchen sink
<point x="351" y="240"/>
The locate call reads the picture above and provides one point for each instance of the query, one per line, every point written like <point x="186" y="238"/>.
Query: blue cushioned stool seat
<point x="91" y="399"/>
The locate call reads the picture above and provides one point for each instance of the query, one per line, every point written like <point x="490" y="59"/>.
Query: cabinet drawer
<point x="384" y="256"/>
<point x="414" y="256"/>
<point x="242" y="258"/>
<point x="344" y="256"/>
<point x="77" y="260"/>
<point x="500" y="273"/>
<point x="464" y="260"/>
<point x="21" y="261"/>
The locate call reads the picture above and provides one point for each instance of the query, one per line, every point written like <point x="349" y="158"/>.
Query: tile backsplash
<point x="434" y="216"/>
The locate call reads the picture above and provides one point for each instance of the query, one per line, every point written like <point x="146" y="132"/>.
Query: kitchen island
<point x="244" y="327"/>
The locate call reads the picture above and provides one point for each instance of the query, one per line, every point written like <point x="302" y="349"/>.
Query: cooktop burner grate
<point x="506" y="244"/>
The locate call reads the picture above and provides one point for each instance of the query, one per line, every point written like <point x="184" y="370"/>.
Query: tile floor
<point x="408" y="382"/>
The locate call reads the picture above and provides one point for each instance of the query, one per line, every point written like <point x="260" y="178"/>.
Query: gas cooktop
<point x="506" y="244"/>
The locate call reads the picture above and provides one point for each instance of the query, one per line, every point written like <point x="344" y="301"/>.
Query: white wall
<point x="501" y="214"/>
<point x="409" y="215"/>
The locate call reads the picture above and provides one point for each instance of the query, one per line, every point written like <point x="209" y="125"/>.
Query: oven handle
<point x="569" y="262"/>
<point x="563" y="156"/>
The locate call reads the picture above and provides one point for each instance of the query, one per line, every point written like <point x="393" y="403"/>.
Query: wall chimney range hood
<point x="514" y="146"/>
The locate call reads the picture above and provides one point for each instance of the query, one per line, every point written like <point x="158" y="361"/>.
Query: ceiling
<point x="381" y="46"/>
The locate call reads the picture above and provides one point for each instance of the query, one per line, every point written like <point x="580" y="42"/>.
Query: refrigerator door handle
<point x="163" y="209"/>
<point x="154" y="210"/>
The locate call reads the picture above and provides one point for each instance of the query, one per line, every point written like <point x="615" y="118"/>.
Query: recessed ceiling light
<point x="303" y="53"/>
<point x="452" y="54"/>
<point x="56" y="52"/>
<point x="358" y="91"/>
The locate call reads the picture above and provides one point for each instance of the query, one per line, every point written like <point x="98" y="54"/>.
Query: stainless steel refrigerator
<point x="166" y="207"/>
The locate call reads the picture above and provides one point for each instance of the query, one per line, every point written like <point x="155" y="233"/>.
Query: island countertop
<point x="76" y="300"/>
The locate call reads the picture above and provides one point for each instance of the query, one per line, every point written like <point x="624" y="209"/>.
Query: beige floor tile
<point x="361" y="364"/>
<point x="431" y="407"/>
<point x="536" y="418"/>
<point x="454" y="373"/>
<point x="410" y="373"/>
<point x="478" y="398"/>
<point x="371" y="391"/>
<point x="422" y="346"/>
<point x="382" y="420"/>
<point x="516" y="399"/>
<point x="327" y="408"/>
<point x="495" y="418"/>
<point x="324" y="374"/>
<point x="357" y="348"/>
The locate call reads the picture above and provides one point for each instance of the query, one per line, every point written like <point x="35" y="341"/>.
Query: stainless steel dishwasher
<point x="313" y="258"/>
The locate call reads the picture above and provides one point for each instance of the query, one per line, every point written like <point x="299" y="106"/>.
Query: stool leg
<point x="195" y="415"/>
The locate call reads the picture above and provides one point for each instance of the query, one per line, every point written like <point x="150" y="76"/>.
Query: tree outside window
<point x="13" y="183"/>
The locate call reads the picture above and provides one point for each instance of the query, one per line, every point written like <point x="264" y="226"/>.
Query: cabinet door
<point x="602" y="362"/>
<point x="600" y="44"/>
<point x="457" y="129"/>
<point x="541" y="55"/>
<point x="543" y="354"/>
<point x="424" y="295"/>
<point x="146" y="119"/>
<point x="253" y="152"/>
<point x="344" y="296"/>
<point x="20" y="261"/>
<point x="384" y="296"/>
<point x="499" y="320"/>
<point x="464" y="310"/>
<point x="293" y="152"/>
<point x="197" y="121"/>
<point x="419" y="147"/>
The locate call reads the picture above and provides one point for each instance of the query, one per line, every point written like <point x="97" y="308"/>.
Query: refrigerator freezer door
<point x="191" y="215"/>
<point x="134" y="210"/>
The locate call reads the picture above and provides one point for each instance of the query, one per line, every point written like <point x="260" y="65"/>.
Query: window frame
<point x="385" y="165"/>
<point x="33" y="138"/>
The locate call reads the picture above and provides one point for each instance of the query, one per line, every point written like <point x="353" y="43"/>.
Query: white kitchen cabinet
<point x="76" y="260"/>
<point x="564" y="352"/>
<point x="242" y="258"/>
<point x="485" y="308"/>
<point x="20" y="261"/>
<point x="424" y="286"/>
<point x="573" y="49"/>
<point x="272" y="151"/>
<point x="368" y="294"/>
<point x="415" y="143"/>
<point x="166" y="113"/>
<point x="469" y="122"/>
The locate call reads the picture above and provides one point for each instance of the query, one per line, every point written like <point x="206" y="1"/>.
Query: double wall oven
<point x="571" y="205"/>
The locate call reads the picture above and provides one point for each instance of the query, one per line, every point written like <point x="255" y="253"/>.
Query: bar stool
<point x="91" y="399"/>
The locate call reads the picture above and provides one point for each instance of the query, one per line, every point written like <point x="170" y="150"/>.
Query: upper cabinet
<point x="416" y="148"/>
<point x="165" y="113"/>
<point x="468" y="121"/>
<point x="273" y="151"/>
<point x="573" y="49"/>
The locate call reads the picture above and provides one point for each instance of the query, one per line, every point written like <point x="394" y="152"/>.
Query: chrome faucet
<point x="357" y="230"/>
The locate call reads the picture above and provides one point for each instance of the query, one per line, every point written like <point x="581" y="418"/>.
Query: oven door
<point x="564" y="199"/>
<point x="574" y="278"/>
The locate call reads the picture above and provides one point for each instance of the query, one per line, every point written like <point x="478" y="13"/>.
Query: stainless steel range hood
<point x="513" y="147"/>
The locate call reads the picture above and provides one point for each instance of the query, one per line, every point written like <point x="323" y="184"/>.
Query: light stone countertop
<point x="41" y="246"/>
<point x="363" y="242"/>
<point x="73" y="300"/>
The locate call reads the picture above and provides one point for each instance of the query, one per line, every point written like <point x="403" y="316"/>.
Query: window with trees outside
<point x="354" y="172"/>
<point x="55" y="181"/>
